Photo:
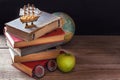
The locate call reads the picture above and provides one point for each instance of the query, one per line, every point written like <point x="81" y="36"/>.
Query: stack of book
<point x="28" y="45"/>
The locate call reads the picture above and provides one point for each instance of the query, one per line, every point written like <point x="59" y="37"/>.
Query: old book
<point x="54" y="36"/>
<point x="46" y="23"/>
<point x="36" y="69"/>
<point x="33" y="49"/>
<point x="43" y="55"/>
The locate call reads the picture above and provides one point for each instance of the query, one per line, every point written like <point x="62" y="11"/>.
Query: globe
<point x="68" y="25"/>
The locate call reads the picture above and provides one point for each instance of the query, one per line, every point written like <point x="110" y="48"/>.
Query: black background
<point x="92" y="17"/>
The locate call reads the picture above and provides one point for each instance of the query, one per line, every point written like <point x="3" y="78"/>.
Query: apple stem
<point x="67" y="54"/>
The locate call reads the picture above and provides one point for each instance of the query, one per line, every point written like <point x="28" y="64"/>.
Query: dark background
<point x="92" y="17"/>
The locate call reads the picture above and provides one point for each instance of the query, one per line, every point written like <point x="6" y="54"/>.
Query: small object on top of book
<point x="29" y="14"/>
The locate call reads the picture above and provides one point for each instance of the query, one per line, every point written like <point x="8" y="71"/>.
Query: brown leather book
<point x="46" y="23"/>
<point x="43" y="55"/>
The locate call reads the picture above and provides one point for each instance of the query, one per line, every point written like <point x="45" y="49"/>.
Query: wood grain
<point x="98" y="58"/>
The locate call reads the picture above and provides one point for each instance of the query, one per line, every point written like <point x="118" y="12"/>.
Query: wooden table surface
<point x="98" y="58"/>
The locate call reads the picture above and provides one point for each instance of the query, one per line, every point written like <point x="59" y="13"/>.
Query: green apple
<point x="66" y="62"/>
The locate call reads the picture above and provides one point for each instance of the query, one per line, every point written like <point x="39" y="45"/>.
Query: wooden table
<point x="98" y="58"/>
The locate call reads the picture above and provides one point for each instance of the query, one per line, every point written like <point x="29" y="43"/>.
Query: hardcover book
<point x="36" y="69"/>
<point x="33" y="49"/>
<point x="54" y="36"/>
<point x="43" y="55"/>
<point x="46" y="23"/>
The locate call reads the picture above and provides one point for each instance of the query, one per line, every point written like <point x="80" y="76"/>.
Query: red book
<point x="54" y="36"/>
<point x="36" y="69"/>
